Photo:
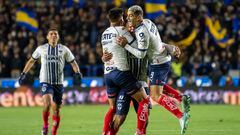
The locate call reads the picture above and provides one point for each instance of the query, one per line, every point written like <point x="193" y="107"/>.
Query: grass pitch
<point x="88" y="119"/>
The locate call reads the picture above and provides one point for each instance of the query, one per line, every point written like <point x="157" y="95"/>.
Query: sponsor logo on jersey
<point x="53" y="58"/>
<point x="108" y="36"/>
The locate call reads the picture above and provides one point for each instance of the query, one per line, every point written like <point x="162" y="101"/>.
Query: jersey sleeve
<point x="68" y="55"/>
<point x="143" y="39"/>
<point x="142" y="44"/>
<point x="129" y="37"/>
<point x="36" y="54"/>
<point x="102" y="40"/>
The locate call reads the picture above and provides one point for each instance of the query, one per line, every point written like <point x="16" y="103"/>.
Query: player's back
<point x="119" y="59"/>
<point x="156" y="52"/>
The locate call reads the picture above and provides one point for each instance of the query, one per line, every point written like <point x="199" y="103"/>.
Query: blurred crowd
<point x="81" y="28"/>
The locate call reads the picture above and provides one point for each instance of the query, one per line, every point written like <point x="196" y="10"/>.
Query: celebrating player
<point x="151" y="46"/>
<point x="53" y="56"/>
<point x="139" y="70"/>
<point x="118" y="76"/>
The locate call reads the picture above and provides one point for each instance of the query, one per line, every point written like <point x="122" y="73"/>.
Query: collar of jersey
<point x="51" y="46"/>
<point x="139" y="25"/>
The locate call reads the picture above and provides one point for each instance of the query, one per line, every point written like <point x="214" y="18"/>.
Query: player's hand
<point x="106" y="56"/>
<point x="22" y="78"/>
<point x="177" y="52"/>
<point x="130" y="28"/>
<point x="121" y="41"/>
<point x="77" y="78"/>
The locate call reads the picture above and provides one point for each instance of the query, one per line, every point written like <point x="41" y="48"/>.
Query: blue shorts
<point x="158" y="73"/>
<point x="123" y="102"/>
<point x="117" y="80"/>
<point x="55" y="90"/>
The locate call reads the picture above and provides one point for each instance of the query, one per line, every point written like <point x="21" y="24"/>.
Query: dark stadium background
<point x="207" y="71"/>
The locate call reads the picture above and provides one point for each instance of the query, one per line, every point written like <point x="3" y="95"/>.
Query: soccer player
<point x="53" y="56"/>
<point x="151" y="46"/>
<point x="117" y="74"/>
<point x="139" y="70"/>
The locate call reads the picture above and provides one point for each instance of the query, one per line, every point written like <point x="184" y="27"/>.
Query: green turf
<point x="88" y="119"/>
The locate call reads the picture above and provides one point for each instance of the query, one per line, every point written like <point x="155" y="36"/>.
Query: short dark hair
<point x="53" y="28"/>
<point x="115" y="14"/>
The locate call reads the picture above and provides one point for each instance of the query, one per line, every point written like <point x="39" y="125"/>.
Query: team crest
<point x="44" y="88"/>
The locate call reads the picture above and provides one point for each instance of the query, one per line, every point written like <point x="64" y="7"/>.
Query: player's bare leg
<point x="142" y="114"/>
<point x="55" y="117"/>
<point x="118" y="121"/>
<point x="47" y="98"/>
<point x="108" y="119"/>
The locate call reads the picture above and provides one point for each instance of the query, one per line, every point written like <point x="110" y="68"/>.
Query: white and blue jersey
<point x="52" y="62"/>
<point x="117" y="74"/>
<point x="150" y="45"/>
<point x="109" y="44"/>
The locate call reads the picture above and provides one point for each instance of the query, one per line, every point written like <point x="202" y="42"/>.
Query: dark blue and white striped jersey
<point x="52" y="62"/>
<point x="138" y="67"/>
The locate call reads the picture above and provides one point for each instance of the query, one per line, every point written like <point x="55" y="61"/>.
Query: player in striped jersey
<point x="53" y="56"/>
<point x="139" y="71"/>
<point x="158" y="54"/>
<point x="118" y="77"/>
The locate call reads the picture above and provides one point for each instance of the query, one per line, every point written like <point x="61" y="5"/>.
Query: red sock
<point x="56" y="121"/>
<point x="45" y="116"/>
<point x="142" y="115"/>
<point x="172" y="92"/>
<point x="145" y="129"/>
<point x="166" y="102"/>
<point x="108" y="120"/>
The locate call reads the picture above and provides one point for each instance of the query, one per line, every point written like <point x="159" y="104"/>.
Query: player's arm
<point x="75" y="66"/>
<point x="138" y="52"/>
<point x="173" y="50"/>
<point x="106" y="56"/>
<point x="36" y="54"/>
<point x="77" y="77"/>
<point x="28" y="65"/>
<point x="142" y="44"/>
